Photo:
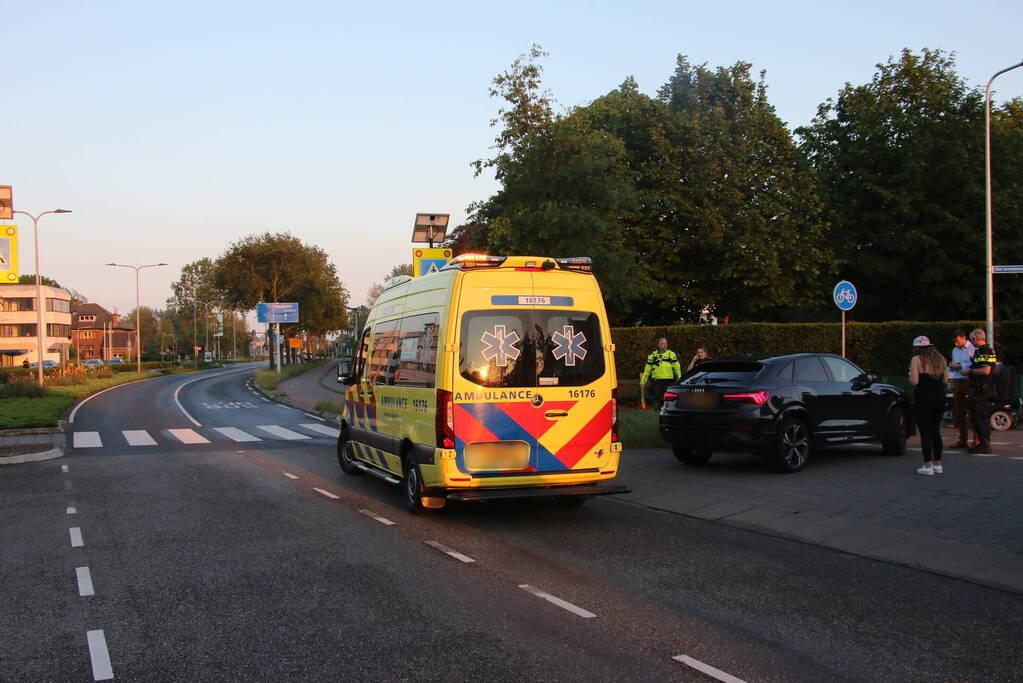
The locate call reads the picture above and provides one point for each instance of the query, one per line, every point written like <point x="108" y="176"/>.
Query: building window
<point x="58" y="330"/>
<point x="87" y="334"/>
<point x="22" y="330"/>
<point x="17" y="304"/>
<point x="86" y="318"/>
<point x="58" y="305"/>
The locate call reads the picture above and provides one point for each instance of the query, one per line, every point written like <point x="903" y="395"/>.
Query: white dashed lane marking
<point x="328" y="494"/>
<point x="322" y="429"/>
<point x="86" y="440"/>
<point x="578" y="611"/>
<point x="85" y="588"/>
<point x="236" y="434"/>
<point x="76" y="537"/>
<point x="448" y="551"/>
<point x="63" y="468"/>
<point x="72" y="511"/>
<point x="373" y="515"/>
<point x="138" y="437"/>
<point x="100" y="656"/>
<point x="282" y="432"/>
<point x="189" y="436"/>
<point x="707" y="669"/>
<point x="289" y="475"/>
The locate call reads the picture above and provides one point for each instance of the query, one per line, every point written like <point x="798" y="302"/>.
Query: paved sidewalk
<point x="312" y="387"/>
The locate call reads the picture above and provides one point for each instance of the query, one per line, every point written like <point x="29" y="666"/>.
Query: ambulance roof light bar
<point x="467" y="261"/>
<point x="583" y="264"/>
<point x="430" y="228"/>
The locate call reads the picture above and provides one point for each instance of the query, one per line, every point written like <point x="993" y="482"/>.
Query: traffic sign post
<point x="844" y="296"/>
<point x="276" y="313"/>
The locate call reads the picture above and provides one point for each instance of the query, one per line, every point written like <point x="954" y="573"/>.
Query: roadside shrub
<point x="22" y="389"/>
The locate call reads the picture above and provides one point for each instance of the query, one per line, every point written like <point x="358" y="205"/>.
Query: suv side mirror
<point x="863" y="381"/>
<point x="344" y="371"/>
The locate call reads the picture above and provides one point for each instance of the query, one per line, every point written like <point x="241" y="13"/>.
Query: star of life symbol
<point x="570" y="345"/>
<point x="500" y="346"/>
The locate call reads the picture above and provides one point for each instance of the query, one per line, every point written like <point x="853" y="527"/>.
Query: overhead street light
<point x="138" y="310"/>
<point x="40" y="304"/>
<point x="987" y="201"/>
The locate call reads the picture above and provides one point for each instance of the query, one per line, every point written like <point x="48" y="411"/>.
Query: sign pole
<point x="845" y="298"/>
<point x="843" y="334"/>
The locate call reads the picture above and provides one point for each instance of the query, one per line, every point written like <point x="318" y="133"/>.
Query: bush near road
<point x="268" y="379"/>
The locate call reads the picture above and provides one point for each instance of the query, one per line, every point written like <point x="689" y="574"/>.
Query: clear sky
<point x="173" y="129"/>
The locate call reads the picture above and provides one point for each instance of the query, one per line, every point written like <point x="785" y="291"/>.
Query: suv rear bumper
<point x="735" y="436"/>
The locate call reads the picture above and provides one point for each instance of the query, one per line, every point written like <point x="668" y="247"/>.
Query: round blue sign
<point x="845" y="295"/>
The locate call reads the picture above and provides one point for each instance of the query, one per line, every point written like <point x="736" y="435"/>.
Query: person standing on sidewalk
<point x="927" y="375"/>
<point x="962" y="359"/>
<point x="663" y="368"/>
<point x="982" y="390"/>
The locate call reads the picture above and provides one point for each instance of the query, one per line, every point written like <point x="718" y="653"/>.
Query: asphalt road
<point x="211" y="555"/>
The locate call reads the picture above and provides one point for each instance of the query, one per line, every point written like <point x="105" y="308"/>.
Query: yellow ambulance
<point x="491" y="378"/>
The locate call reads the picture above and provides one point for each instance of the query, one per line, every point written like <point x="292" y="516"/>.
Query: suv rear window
<point x="526" y="348"/>
<point x="714" y="372"/>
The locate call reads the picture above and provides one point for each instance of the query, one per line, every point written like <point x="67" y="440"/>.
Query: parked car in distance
<point x="92" y="362"/>
<point x="47" y="363"/>
<point x="115" y="361"/>
<point x="784" y="408"/>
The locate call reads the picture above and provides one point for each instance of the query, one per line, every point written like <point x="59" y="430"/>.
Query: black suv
<point x="783" y="407"/>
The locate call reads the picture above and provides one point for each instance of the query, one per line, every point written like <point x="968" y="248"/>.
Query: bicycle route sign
<point x="845" y="295"/>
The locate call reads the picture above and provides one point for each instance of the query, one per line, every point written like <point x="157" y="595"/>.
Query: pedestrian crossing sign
<point x="426" y="261"/>
<point x="9" y="254"/>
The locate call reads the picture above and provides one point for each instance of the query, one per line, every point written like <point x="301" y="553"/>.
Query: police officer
<point x="662" y="368"/>
<point x="982" y="390"/>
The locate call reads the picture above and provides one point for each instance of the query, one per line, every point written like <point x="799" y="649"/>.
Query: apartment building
<point x="18" y="324"/>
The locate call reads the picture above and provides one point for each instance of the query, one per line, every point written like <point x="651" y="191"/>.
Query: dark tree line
<point x="700" y="199"/>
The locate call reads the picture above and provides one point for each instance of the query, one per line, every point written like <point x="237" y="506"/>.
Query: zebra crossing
<point x="142" y="438"/>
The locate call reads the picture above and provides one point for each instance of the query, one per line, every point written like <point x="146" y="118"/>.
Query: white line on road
<point x="264" y="399"/>
<point x="289" y="475"/>
<point x="138" y="437"/>
<point x="68" y="486"/>
<point x="448" y="551"/>
<point x="63" y="468"/>
<point x="101" y="669"/>
<point x="322" y="429"/>
<point x="197" y="379"/>
<point x="578" y="611"/>
<point x="188" y="436"/>
<point x="382" y="520"/>
<point x="1015" y="458"/>
<point x="71" y="417"/>
<point x="84" y="582"/>
<point x="72" y="511"/>
<point x="985" y="455"/>
<point x="87" y="440"/>
<point x="76" y="537"/>
<point x="314" y="417"/>
<point x="328" y="494"/>
<point x="707" y="669"/>
<point x="282" y="432"/>
<point x="236" y="434"/>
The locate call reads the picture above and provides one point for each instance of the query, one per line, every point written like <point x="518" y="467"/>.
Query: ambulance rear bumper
<point x="478" y="494"/>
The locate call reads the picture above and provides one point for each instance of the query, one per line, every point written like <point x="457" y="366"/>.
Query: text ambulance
<point x="492" y="378"/>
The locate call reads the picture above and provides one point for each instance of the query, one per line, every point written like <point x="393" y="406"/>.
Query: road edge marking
<point x="448" y="551"/>
<point x="328" y="494"/>
<point x="373" y="515"/>
<point x="707" y="669"/>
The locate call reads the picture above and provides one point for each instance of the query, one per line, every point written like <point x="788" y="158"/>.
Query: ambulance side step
<point x="386" y="476"/>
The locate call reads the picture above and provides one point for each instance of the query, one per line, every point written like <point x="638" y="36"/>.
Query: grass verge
<point x="268" y="379"/>
<point x="639" y="429"/>
<point x="332" y="407"/>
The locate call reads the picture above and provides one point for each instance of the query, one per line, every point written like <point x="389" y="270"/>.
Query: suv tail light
<point x="614" y="414"/>
<point x="669" y="396"/>
<point x="758" y="397"/>
<point x="445" y="419"/>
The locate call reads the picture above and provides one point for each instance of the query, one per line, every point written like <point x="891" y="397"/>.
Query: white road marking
<point x="289" y="475"/>
<point x="707" y="669"/>
<point x="138" y="437"/>
<point x="72" y="511"/>
<point x="282" y="432"/>
<point x="100" y="656"/>
<point x="87" y="440"/>
<point x="63" y="468"/>
<point x="314" y="417"/>
<point x="985" y="455"/>
<point x="76" y="537"/>
<point x="236" y="434"/>
<point x="322" y="429"/>
<point x="448" y="551"/>
<point x="328" y="494"/>
<point x="85" y="588"/>
<point x="68" y="486"/>
<point x="264" y="399"/>
<point x="1015" y="458"/>
<point x="382" y="520"/>
<point x="578" y="611"/>
<point x="188" y="436"/>
<point x="71" y="417"/>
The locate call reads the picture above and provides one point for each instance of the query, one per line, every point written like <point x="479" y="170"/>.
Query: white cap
<point x="922" y="341"/>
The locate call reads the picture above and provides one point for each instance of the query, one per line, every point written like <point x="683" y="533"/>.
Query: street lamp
<point x="138" y="311"/>
<point x="987" y="199"/>
<point x="40" y="304"/>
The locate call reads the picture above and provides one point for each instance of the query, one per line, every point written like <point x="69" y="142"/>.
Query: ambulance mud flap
<point x="470" y="495"/>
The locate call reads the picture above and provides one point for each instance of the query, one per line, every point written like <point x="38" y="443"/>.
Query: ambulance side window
<point x="417" y="351"/>
<point x="383" y="354"/>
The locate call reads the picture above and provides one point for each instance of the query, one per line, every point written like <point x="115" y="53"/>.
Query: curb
<point x="32" y="457"/>
<point x="281" y="398"/>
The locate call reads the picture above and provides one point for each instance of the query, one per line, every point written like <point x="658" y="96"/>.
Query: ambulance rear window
<point x="531" y="348"/>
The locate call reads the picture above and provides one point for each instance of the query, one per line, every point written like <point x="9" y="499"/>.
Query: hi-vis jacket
<point x="662" y="366"/>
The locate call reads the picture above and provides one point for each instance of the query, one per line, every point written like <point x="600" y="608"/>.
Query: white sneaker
<point x="926" y="469"/>
<point x="937" y="469"/>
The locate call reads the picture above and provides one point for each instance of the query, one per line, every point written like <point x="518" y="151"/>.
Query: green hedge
<point x="880" y="348"/>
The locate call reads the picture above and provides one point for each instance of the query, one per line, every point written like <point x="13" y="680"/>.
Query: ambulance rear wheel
<point x="346" y="453"/>
<point x="412" y="486"/>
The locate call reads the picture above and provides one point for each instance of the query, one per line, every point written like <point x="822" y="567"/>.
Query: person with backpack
<point x="982" y="390"/>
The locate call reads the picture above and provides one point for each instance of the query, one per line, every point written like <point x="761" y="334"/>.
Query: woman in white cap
<point x="927" y="374"/>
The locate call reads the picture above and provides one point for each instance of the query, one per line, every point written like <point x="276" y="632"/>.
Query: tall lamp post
<point x="40" y="304"/>
<point x="987" y="200"/>
<point x="138" y="311"/>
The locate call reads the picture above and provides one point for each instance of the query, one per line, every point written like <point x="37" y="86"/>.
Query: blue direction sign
<point x="1007" y="269"/>
<point x="845" y="295"/>
<point x="277" y="313"/>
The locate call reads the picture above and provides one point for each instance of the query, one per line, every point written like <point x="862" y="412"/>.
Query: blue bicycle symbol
<point x="845" y="295"/>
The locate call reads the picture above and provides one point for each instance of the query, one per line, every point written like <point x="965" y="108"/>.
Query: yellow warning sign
<point x="426" y="261"/>
<point x="8" y="254"/>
